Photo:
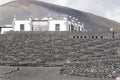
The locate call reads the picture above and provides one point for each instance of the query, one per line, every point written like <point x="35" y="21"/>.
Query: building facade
<point x="20" y="24"/>
<point x="40" y="25"/>
<point x="45" y="24"/>
<point x="58" y="24"/>
<point x="5" y="28"/>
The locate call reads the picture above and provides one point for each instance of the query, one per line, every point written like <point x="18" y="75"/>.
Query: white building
<point x="40" y="25"/>
<point x="74" y="24"/>
<point x="5" y="28"/>
<point x="58" y="24"/>
<point x="117" y="78"/>
<point x="22" y="24"/>
<point x="47" y="24"/>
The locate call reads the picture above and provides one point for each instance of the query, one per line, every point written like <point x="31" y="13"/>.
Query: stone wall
<point x="74" y="34"/>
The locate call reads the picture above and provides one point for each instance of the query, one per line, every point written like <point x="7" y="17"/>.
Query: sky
<point x="105" y="8"/>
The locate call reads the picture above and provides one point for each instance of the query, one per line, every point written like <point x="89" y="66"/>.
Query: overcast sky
<point x="106" y="8"/>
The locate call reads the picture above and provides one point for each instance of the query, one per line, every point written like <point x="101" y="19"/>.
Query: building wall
<point x="92" y="35"/>
<point x="40" y="25"/>
<point x="27" y="25"/>
<point x="3" y="30"/>
<point x="86" y="35"/>
<point x="118" y="78"/>
<point x="63" y="25"/>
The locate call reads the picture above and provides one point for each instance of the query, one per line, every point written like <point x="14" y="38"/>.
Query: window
<point x="81" y="37"/>
<point x="77" y="36"/>
<point x="101" y="37"/>
<point x="69" y="28"/>
<point x="22" y="27"/>
<point x="73" y="36"/>
<point x="72" y="28"/>
<point x="57" y="27"/>
<point x="0" y="30"/>
<point x="92" y="36"/>
<point x="78" y="28"/>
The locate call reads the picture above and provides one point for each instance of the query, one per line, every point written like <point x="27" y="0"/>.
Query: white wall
<point x="63" y="25"/>
<point x="27" y="23"/>
<point x="40" y="25"/>
<point x="118" y="78"/>
<point x="3" y="30"/>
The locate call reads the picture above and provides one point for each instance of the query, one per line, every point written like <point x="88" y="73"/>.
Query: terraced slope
<point x="98" y="58"/>
<point x="39" y="73"/>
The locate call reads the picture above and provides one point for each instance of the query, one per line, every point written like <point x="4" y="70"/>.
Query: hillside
<point x="95" y="58"/>
<point x="27" y="8"/>
<point x="39" y="73"/>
